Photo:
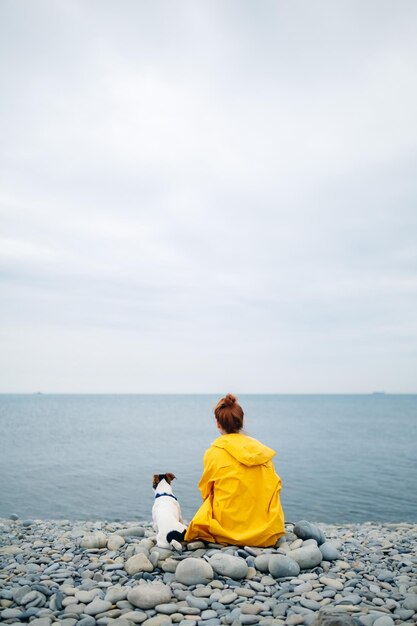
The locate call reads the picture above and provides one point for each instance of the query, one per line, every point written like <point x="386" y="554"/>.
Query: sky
<point x="208" y="196"/>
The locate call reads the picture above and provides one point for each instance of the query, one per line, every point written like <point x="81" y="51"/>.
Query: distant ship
<point x="378" y="393"/>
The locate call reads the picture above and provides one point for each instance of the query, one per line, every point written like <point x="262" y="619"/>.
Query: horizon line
<point x="208" y="393"/>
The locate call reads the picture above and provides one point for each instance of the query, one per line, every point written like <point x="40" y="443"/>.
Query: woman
<point x="239" y="486"/>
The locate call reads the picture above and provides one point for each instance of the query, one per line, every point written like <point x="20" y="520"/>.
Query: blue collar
<point x="159" y="495"/>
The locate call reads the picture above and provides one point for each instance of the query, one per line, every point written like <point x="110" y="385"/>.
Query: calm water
<point x="341" y="458"/>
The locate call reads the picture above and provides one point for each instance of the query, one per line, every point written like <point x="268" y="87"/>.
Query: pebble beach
<point x="97" y="573"/>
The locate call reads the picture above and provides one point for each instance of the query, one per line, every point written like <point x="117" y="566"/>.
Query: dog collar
<point x="159" y="495"/>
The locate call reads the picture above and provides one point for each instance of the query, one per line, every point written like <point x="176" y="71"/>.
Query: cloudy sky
<point x="208" y="196"/>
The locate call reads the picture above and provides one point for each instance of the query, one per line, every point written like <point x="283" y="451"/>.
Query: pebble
<point x="94" y="540"/>
<point x="96" y="606"/>
<point x="138" y="563"/>
<point x="192" y="571"/>
<point x="115" y="542"/>
<point x="305" y="530"/>
<point x="137" y="617"/>
<point x="149" y="595"/>
<point x="132" y="531"/>
<point x="88" y="620"/>
<point x="248" y="619"/>
<point x="331" y="617"/>
<point x="329" y="551"/>
<point x="281" y="566"/>
<point x="385" y="620"/>
<point x="41" y="621"/>
<point x="228" y="597"/>
<point x="66" y="573"/>
<point x="261" y="562"/>
<point x="116" y="594"/>
<point x="331" y="582"/>
<point x="197" y="603"/>
<point x="227" y="565"/>
<point x="158" y="620"/>
<point x="86" y="596"/>
<point x="307" y="557"/>
<point x="410" y="602"/>
<point x="167" y="608"/>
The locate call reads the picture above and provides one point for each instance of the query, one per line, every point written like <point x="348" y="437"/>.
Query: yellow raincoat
<point x="240" y="490"/>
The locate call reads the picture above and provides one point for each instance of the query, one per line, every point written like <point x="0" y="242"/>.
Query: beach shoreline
<point x="88" y="573"/>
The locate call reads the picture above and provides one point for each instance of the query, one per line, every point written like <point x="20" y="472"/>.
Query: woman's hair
<point x="229" y="414"/>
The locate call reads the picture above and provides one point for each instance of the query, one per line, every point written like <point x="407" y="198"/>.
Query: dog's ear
<point x="169" y="477"/>
<point x="155" y="481"/>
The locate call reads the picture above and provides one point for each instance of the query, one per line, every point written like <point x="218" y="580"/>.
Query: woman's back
<point x="239" y="487"/>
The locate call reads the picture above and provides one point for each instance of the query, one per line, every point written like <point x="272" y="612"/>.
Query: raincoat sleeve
<point x="207" y="479"/>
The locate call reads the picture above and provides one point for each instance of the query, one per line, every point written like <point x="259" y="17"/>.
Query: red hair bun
<point x="229" y="414"/>
<point x="229" y="400"/>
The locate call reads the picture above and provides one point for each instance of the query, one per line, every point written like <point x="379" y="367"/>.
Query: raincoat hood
<point x="244" y="449"/>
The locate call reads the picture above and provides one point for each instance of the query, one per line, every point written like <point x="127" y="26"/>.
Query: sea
<point x="342" y="458"/>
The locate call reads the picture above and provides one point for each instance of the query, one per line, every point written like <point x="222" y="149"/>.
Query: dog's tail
<point x="174" y="537"/>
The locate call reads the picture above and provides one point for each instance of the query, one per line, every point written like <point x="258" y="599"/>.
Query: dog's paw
<point x="176" y="545"/>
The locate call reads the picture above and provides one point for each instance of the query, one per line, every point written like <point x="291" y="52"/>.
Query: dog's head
<point x="156" y="479"/>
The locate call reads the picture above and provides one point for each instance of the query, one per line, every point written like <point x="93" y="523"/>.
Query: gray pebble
<point x="20" y="593"/>
<point x="385" y="620"/>
<point x="208" y="614"/>
<point x="262" y="562"/>
<point x="97" y="606"/>
<point x="281" y="566"/>
<point x="410" y="602"/>
<point x="193" y="571"/>
<point x="249" y="619"/>
<point x="306" y="530"/>
<point x="88" y="620"/>
<point x="133" y="531"/>
<point x="41" y="621"/>
<point x="310" y="604"/>
<point x="11" y="614"/>
<point x="166" y="609"/>
<point x="404" y="614"/>
<point x="307" y="557"/>
<point x="386" y="575"/>
<point x="228" y="597"/>
<point x="352" y="598"/>
<point x="329" y="551"/>
<point x="198" y="603"/>
<point x="227" y="565"/>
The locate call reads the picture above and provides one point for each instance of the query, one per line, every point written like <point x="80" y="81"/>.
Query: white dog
<point x="166" y="513"/>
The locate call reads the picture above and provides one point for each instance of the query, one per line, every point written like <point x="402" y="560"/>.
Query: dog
<point x="166" y="514"/>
